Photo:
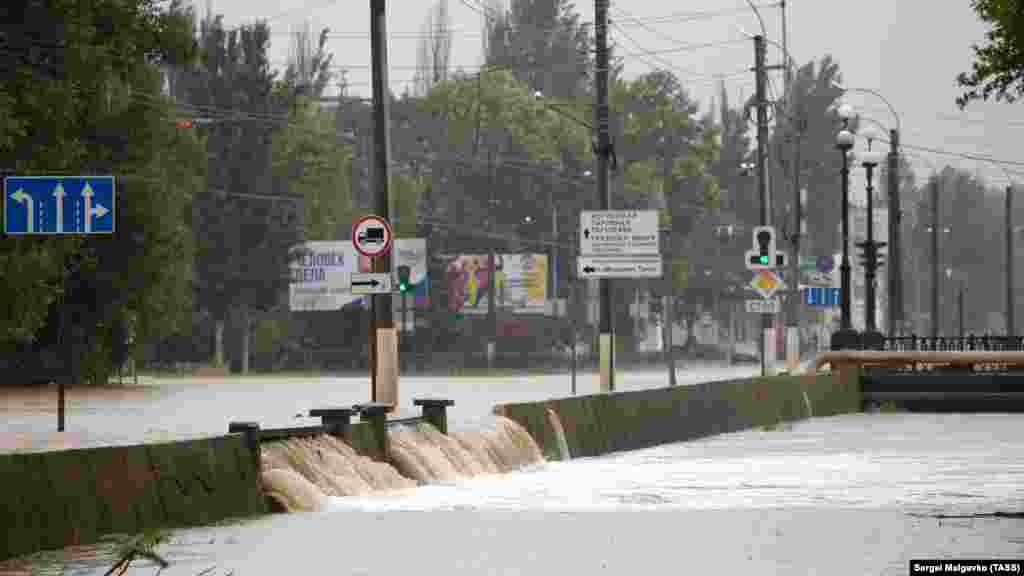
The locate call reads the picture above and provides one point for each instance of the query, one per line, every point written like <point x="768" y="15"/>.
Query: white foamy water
<point x="951" y="464"/>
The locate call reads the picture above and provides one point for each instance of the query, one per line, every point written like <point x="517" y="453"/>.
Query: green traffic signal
<point x="403" y="279"/>
<point x="764" y="259"/>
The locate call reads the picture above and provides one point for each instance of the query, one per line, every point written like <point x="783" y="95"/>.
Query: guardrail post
<point x="376" y="413"/>
<point x="251" y="431"/>
<point x="336" y="421"/>
<point x="435" y="411"/>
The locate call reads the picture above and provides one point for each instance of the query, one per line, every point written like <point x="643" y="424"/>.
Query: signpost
<point x="767" y="283"/>
<point x="612" y="267"/>
<point x="617" y="244"/>
<point x="370" y="283"/>
<point x="619" y="233"/>
<point x="372" y="236"/>
<point x="57" y="205"/>
<point x="821" y="296"/>
<point x="765" y="306"/>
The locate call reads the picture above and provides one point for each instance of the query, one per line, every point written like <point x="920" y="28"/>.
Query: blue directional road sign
<point x="821" y="296"/>
<point x="59" y="205"/>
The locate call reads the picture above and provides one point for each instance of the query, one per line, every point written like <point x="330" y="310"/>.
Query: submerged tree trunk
<point x="246" y="322"/>
<point x="218" y="338"/>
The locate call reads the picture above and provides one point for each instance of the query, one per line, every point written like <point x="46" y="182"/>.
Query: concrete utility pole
<point x="760" y="72"/>
<point x="896" y="303"/>
<point x="492" y="318"/>
<point x="606" y="340"/>
<point x="1010" y="324"/>
<point x="796" y="129"/>
<point x="935" y="257"/>
<point x="384" y="363"/>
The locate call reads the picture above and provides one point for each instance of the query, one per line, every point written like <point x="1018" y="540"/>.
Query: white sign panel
<point x="370" y="283"/>
<point x="763" y="306"/>
<point x="619" y="232"/>
<point x="604" y="267"/>
<point x="321" y="278"/>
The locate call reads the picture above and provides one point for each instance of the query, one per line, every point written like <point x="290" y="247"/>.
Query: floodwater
<point x="854" y="494"/>
<point x="189" y="407"/>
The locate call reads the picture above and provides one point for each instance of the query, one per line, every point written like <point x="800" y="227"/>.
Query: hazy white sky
<point x="909" y="50"/>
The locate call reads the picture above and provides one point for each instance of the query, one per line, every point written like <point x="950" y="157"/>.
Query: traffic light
<point x="763" y="256"/>
<point x="404" y="285"/>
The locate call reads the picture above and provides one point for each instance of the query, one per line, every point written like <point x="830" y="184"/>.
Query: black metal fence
<point x="951" y="344"/>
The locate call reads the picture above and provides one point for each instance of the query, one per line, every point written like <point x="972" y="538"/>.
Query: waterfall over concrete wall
<point x="299" y="472"/>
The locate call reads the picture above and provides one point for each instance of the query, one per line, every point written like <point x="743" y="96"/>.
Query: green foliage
<point x="82" y="96"/>
<point x="998" y="67"/>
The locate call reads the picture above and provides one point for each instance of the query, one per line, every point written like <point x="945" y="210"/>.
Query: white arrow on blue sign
<point x="821" y="296"/>
<point x="59" y="205"/>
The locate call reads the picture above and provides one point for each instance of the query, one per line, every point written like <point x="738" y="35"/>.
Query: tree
<point x="998" y="67"/>
<point x="434" y="51"/>
<point x="543" y="42"/>
<point x="244" y="241"/>
<point x="82" y="94"/>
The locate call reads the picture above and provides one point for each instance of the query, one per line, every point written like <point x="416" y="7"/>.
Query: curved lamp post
<point x="896" y="305"/>
<point x="846" y="336"/>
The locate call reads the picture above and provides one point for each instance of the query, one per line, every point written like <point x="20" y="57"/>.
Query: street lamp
<point x="846" y="336"/>
<point x="869" y="160"/>
<point x="896" y="301"/>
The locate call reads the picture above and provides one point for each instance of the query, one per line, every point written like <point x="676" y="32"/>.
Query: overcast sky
<point x="908" y="50"/>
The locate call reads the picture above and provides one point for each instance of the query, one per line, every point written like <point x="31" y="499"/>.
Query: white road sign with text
<point x="619" y="233"/>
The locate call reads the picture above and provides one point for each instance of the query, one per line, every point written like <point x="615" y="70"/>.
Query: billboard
<point x="521" y="282"/>
<point x="320" y="279"/>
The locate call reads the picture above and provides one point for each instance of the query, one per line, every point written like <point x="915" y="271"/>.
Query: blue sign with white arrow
<point x="59" y="205"/>
<point x="821" y="296"/>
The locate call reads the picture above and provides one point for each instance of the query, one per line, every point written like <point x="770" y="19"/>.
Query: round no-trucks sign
<point x="371" y="236"/>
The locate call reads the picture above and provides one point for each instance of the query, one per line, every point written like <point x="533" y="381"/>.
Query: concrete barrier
<point x="603" y="423"/>
<point x="55" y="499"/>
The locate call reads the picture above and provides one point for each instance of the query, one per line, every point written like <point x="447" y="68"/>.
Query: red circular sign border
<point x="391" y="235"/>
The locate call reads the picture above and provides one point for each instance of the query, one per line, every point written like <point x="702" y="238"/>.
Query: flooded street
<point x="187" y="407"/>
<point x="854" y="494"/>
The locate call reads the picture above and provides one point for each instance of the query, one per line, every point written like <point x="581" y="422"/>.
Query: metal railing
<point x="971" y="343"/>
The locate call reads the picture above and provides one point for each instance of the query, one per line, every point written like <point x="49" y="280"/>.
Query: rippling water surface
<point x="854" y="494"/>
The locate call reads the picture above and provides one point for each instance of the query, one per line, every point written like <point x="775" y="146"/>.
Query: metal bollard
<point x="336" y="421"/>
<point x="251" y="430"/>
<point x="376" y="413"/>
<point x="435" y="411"/>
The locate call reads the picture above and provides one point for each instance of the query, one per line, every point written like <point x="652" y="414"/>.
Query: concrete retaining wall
<point x="54" y="499"/>
<point x="604" y="423"/>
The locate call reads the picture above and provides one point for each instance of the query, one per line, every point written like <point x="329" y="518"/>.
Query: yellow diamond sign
<point x="767" y="283"/>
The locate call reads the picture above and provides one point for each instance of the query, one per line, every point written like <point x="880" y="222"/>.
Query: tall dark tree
<point x="244" y="241"/>
<point x="543" y="42"/>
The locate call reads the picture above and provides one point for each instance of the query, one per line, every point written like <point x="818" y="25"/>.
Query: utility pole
<point x="935" y="257"/>
<point x="492" y="318"/>
<point x="385" y="343"/>
<point x="896" y="303"/>
<point x="762" y="183"/>
<point x="796" y="130"/>
<point x="960" y="306"/>
<point x="606" y="340"/>
<point x="1010" y="324"/>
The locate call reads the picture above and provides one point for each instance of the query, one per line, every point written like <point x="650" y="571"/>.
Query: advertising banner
<point x="521" y="282"/>
<point x="321" y="278"/>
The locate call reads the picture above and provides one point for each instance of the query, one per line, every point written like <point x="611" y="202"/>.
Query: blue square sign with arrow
<point x="59" y="205"/>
